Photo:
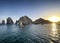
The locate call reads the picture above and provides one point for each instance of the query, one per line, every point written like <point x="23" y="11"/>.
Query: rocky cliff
<point x="9" y="21"/>
<point x="24" y="20"/>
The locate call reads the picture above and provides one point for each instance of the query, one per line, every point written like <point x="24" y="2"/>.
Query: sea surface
<point x="47" y="33"/>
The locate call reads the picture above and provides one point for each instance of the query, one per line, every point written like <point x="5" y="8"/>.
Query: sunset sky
<point x="33" y="9"/>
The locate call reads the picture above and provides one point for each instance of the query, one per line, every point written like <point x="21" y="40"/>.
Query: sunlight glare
<point x="53" y="19"/>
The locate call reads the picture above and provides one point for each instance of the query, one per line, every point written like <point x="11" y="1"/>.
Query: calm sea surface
<point x="47" y="33"/>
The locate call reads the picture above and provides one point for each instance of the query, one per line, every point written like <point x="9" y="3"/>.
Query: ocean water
<point x="47" y="33"/>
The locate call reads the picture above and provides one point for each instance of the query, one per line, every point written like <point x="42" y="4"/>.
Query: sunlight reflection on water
<point x="54" y="30"/>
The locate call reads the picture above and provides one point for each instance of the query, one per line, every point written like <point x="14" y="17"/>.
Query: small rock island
<point x="3" y="21"/>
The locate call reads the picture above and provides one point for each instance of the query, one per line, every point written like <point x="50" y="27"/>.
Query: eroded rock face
<point x="41" y="21"/>
<point x="24" y="20"/>
<point x="3" y="21"/>
<point x="9" y="21"/>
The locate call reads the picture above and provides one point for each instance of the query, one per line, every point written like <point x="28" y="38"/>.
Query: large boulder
<point x="9" y="21"/>
<point x="41" y="21"/>
<point x="24" y="20"/>
<point x="3" y="21"/>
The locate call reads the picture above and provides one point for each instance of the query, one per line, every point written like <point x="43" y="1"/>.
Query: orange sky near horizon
<point x="51" y="14"/>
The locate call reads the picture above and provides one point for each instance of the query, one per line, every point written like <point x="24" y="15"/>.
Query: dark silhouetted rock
<point x="24" y="20"/>
<point x="16" y="22"/>
<point x="3" y="21"/>
<point x="41" y="21"/>
<point x="9" y="21"/>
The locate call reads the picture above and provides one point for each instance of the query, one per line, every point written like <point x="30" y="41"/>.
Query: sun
<point x="53" y="19"/>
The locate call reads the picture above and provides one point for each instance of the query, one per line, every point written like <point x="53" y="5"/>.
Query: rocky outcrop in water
<point x="3" y="21"/>
<point x="24" y="20"/>
<point x="41" y="21"/>
<point x="9" y="21"/>
<point x="16" y="22"/>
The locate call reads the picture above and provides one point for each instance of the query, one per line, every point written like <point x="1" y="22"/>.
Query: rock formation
<point x="41" y="21"/>
<point x="9" y="21"/>
<point x="16" y="22"/>
<point x="3" y="21"/>
<point x="24" y="20"/>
